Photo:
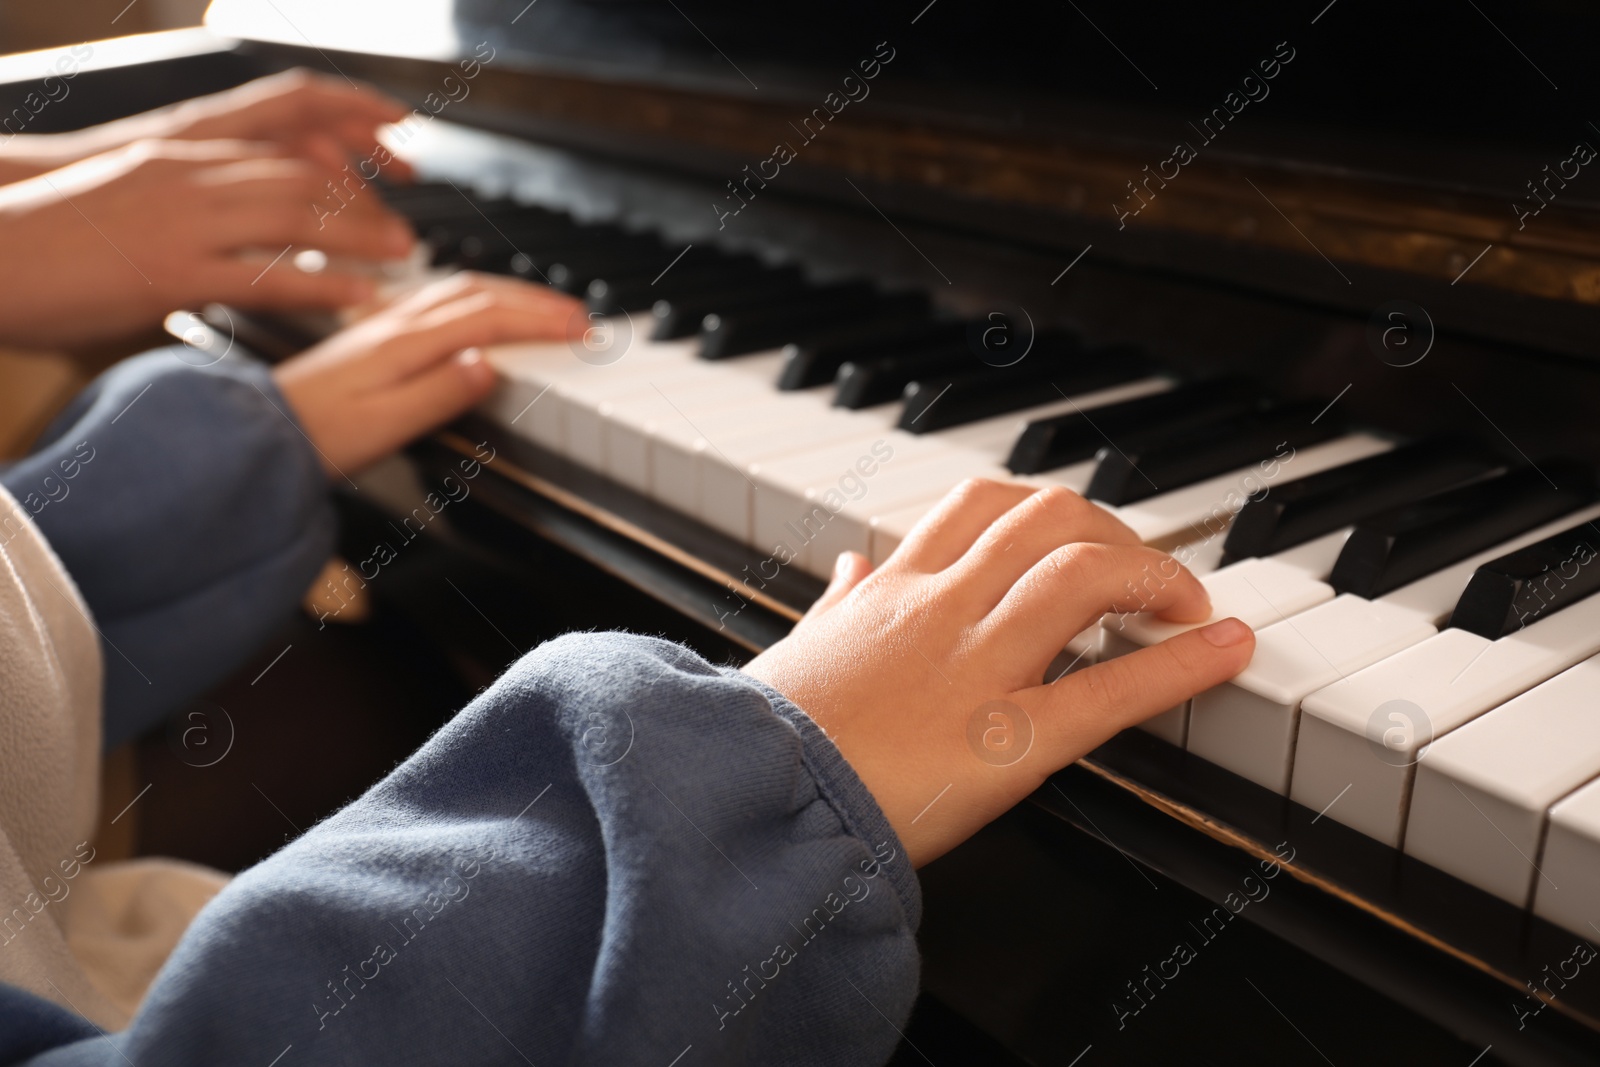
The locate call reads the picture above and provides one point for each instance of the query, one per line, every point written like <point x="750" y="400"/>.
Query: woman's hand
<point x="413" y="366"/>
<point x="109" y="245"/>
<point x="926" y="672"/>
<point x="312" y="115"/>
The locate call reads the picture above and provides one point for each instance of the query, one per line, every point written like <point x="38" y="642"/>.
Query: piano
<point x="1308" y="298"/>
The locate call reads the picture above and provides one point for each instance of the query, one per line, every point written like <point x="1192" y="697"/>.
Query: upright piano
<point x="1307" y="295"/>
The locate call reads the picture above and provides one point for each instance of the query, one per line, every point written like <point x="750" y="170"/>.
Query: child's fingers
<point x="945" y="533"/>
<point x="441" y="299"/>
<point x="1028" y="533"/>
<point x="479" y="319"/>
<point x="1074" y="715"/>
<point x="849" y="570"/>
<point x="1075" y="584"/>
<point x="429" y="399"/>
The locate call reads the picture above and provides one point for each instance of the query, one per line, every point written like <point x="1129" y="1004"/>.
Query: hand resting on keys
<point x="661" y="852"/>
<point x="311" y="115"/>
<point x="414" y="365"/>
<point x="196" y="203"/>
<point x="895" y="664"/>
<point x="118" y="240"/>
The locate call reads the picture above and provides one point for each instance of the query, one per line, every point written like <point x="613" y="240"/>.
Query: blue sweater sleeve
<point x="618" y="854"/>
<point x="191" y="511"/>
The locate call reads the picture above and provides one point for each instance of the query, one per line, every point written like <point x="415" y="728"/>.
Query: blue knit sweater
<point x="618" y="854"/>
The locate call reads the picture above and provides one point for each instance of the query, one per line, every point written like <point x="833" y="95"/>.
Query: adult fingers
<point x="263" y="284"/>
<point x="944" y="534"/>
<point x="1081" y="711"/>
<point x="1038" y="525"/>
<point x="277" y="221"/>
<point x="292" y="100"/>
<point x="269" y="203"/>
<point x="849" y="570"/>
<point x="1075" y="584"/>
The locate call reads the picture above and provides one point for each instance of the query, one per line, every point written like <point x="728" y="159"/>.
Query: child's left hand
<point x="413" y="366"/>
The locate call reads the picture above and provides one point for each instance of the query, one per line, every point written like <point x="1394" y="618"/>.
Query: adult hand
<point x="110" y="244"/>
<point x="322" y="118"/>
<point x="964" y="618"/>
<point x="413" y="366"/>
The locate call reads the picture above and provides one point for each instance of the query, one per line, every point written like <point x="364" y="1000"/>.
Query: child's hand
<point x="926" y="673"/>
<point x="413" y="366"/>
<point x="118" y="240"/>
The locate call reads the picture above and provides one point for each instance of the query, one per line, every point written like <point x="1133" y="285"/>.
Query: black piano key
<point x="475" y="239"/>
<point x="867" y="383"/>
<point x="487" y="248"/>
<point x="572" y="273"/>
<point x="756" y="328"/>
<point x="1076" y="436"/>
<point x="635" y="292"/>
<point x="592" y="245"/>
<point x="1146" y="464"/>
<point x="428" y="204"/>
<point x="1524" y="586"/>
<point x="1406" y="543"/>
<point x="1044" y="377"/>
<point x="682" y="316"/>
<point x="1295" y="512"/>
<point x="579" y="275"/>
<point x="818" y="360"/>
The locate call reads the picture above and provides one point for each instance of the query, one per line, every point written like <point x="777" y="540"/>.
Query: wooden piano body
<point x="1278" y="252"/>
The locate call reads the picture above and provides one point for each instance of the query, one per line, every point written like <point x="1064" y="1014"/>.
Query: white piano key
<point x="923" y="481"/>
<point x="527" y="371"/>
<point x="1569" y="895"/>
<point x="527" y="400"/>
<point x="718" y="398"/>
<point x="1360" y="737"/>
<point x="673" y="446"/>
<point x="1207" y="507"/>
<point x="629" y="425"/>
<point x="727" y="489"/>
<point x="1258" y="592"/>
<point x="1479" y="805"/>
<point x="583" y="399"/>
<point x="788" y="506"/>
<point x="1250" y="725"/>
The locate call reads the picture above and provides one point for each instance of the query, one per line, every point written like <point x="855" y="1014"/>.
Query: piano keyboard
<point x="1427" y="645"/>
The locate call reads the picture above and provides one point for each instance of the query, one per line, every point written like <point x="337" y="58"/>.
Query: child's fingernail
<point x="840" y="565"/>
<point x="1227" y="633"/>
<point x="472" y="361"/>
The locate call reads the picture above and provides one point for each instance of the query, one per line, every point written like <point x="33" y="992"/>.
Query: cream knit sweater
<point x="84" y="934"/>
